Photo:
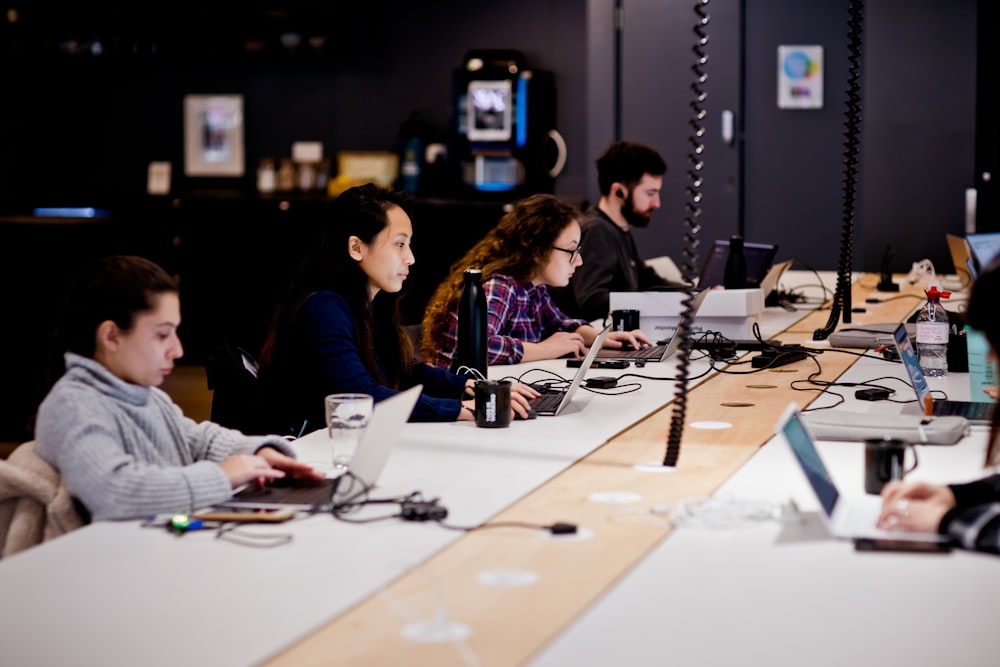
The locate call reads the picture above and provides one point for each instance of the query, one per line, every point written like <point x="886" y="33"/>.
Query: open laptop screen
<point x="805" y="453"/>
<point x="759" y="257"/>
<point x="984" y="248"/>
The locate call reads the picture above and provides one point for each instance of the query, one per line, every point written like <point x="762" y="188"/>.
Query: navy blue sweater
<point x="320" y="356"/>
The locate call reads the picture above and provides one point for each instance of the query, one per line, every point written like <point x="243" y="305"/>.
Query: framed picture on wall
<point x="213" y="135"/>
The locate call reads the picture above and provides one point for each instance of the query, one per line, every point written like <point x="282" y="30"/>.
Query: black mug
<point x="624" y="320"/>
<point x="885" y="461"/>
<point x="492" y="403"/>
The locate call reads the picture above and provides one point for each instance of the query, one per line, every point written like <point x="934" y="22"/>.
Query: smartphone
<point x="911" y="546"/>
<point x="600" y="363"/>
<point x="252" y="516"/>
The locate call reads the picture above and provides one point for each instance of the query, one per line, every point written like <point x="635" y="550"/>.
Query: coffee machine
<point x="504" y="135"/>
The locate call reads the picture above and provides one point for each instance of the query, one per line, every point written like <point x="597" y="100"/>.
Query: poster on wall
<point x="800" y="77"/>
<point x="213" y="135"/>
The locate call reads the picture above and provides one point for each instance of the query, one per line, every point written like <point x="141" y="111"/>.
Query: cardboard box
<point x="732" y="313"/>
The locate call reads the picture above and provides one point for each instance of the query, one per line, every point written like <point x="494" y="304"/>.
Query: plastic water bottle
<point x="933" y="330"/>
<point x="735" y="276"/>
<point x="472" y="324"/>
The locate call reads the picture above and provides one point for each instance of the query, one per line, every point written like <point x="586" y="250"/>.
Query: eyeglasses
<point x="573" y="254"/>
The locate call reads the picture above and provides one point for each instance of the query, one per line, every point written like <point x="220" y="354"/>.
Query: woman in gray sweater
<point x="123" y="447"/>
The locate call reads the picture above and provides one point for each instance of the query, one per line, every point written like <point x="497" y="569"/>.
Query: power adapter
<point x="602" y="382"/>
<point x="775" y="358"/>
<point x="422" y="511"/>
<point x="872" y="394"/>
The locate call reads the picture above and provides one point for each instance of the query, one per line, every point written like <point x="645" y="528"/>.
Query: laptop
<point x="984" y="248"/>
<point x="657" y="352"/>
<point x="976" y="412"/>
<point x="759" y="257"/>
<point x="551" y="404"/>
<point x="846" y="518"/>
<point x="322" y="495"/>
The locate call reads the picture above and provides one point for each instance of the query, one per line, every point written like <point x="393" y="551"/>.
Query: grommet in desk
<point x="614" y="497"/>
<point x="436" y="632"/>
<point x="711" y="425"/>
<point x="508" y="578"/>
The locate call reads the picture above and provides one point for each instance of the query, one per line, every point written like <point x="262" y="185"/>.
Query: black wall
<point x="80" y="126"/>
<point x="81" y="130"/>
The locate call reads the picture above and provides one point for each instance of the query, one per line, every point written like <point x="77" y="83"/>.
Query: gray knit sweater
<point x="126" y="451"/>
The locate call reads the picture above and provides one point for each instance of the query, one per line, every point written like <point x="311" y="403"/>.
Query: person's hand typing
<point x="242" y="469"/>
<point x="520" y="398"/>
<point x="916" y="506"/>
<point x="617" y="340"/>
<point x="562" y="343"/>
<point x="290" y="466"/>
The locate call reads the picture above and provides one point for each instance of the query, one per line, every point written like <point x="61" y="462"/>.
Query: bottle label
<point x="932" y="333"/>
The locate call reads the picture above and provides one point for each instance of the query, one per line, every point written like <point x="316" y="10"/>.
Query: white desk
<point x="775" y="594"/>
<point x="113" y="591"/>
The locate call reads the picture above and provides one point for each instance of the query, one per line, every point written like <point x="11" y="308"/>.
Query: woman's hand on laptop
<point x="291" y="467"/>
<point x="520" y="398"/>
<point x="617" y="340"/>
<point x="915" y="506"/>
<point x="242" y="469"/>
<point x="559" y="344"/>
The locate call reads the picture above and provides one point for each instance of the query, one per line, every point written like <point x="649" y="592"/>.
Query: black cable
<point x="558" y="528"/>
<point x="842" y="297"/>
<point x="692" y="225"/>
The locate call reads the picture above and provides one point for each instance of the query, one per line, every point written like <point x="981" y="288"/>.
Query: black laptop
<point x="759" y="257"/>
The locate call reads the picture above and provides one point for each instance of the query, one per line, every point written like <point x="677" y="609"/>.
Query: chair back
<point x="232" y="377"/>
<point x="35" y="505"/>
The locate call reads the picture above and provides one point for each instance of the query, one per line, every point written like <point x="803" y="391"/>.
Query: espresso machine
<point x="504" y="136"/>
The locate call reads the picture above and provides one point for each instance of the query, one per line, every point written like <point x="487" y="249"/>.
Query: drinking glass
<point x="347" y="417"/>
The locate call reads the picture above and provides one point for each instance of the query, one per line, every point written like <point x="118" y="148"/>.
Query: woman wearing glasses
<point x="535" y="246"/>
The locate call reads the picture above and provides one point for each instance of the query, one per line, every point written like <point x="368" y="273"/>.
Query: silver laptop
<point x="551" y="404"/>
<point x="977" y="412"/>
<point x="377" y="442"/>
<point x="846" y="518"/>
<point x="657" y="352"/>
<point x="984" y="248"/>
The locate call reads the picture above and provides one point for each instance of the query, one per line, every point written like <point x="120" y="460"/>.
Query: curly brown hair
<point x="519" y="246"/>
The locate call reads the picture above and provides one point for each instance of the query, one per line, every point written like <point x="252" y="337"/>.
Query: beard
<point x="633" y="217"/>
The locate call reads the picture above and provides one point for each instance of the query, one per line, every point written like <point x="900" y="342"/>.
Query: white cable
<point x="469" y="370"/>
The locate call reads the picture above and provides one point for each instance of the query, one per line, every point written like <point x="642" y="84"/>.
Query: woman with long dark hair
<point x="337" y="329"/>
<point x="535" y="246"/>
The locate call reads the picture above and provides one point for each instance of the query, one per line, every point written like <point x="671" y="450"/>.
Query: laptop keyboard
<point x="651" y="352"/>
<point x="291" y="491"/>
<point x="546" y="402"/>
<point x="977" y="410"/>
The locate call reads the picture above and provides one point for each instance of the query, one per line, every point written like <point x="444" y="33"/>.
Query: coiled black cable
<point x="692" y="225"/>
<point x="842" y="297"/>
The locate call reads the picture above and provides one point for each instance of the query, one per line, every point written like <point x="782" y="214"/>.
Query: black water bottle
<point x="735" y="276"/>
<point x="472" y="324"/>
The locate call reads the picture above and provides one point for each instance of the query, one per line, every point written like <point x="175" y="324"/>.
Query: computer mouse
<point x="531" y="415"/>
<point x="627" y="347"/>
